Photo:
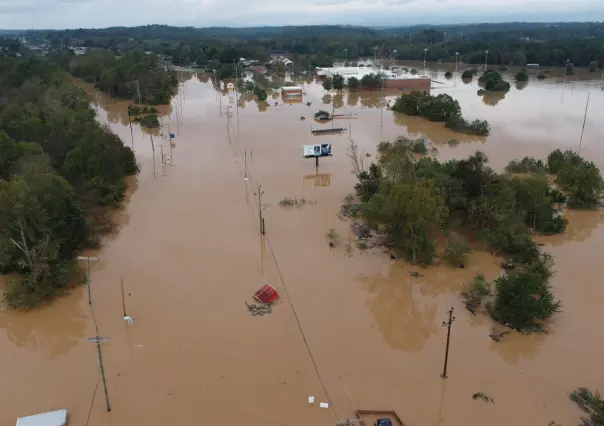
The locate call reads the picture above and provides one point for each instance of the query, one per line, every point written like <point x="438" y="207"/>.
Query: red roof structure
<point x="267" y="294"/>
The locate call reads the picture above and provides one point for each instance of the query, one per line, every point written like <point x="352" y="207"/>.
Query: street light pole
<point x="448" y="325"/>
<point x="345" y="56"/>
<point x="486" y="57"/>
<point x="88" y="259"/>
<point x="425" y="53"/>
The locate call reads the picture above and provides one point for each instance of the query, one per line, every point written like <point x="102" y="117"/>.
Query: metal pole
<point x="98" y="347"/>
<point x="584" y="119"/>
<point x="88" y="279"/>
<point x="260" y="205"/>
<point x="448" y="325"/>
<point x="245" y="155"/>
<point x="123" y="298"/>
<point x="153" y="148"/>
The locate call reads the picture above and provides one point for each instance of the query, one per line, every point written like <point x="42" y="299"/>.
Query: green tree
<point x="523" y="301"/>
<point x="353" y="83"/>
<point x="467" y="75"/>
<point x="338" y="82"/>
<point x="328" y="84"/>
<point x="411" y="212"/>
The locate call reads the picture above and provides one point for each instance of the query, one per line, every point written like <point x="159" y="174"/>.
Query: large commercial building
<point x="392" y="79"/>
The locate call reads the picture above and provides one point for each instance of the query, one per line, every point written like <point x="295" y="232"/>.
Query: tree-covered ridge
<point x="126" y="76"/>
<point x="549" y="44"/>
<point x="415" y="200"/>
<point x="57" y="163"/>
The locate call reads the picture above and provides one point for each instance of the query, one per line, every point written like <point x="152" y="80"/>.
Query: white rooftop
<point x="359" y="72"/>
<point x="286" y="88"/>
<point x="52" y="418"/>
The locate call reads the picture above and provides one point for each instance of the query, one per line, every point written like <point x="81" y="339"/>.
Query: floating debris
<point x="415" y="274"/>
<point x="483" y="396"/>
<point x="259" y="309"/>
<point x="498" y="336"/>
<point x="302" y="118"/>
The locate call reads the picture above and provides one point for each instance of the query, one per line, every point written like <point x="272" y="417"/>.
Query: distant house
<point x="79" y="51"/>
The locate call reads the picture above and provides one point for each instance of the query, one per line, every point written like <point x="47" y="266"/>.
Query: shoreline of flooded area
<point x="190" y="254"/>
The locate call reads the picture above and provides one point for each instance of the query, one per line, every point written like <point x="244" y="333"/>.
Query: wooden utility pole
<point x="98" y="340"/>
<point x="448" y="325"/>
<point x="153" y="148"/>
<point x="123" y="298"/>
<point x="261" y="208"/>
<point x="245" y="159"/>
<point x="88" y="259"/>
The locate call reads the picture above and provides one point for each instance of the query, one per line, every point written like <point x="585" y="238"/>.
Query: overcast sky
<point x="39" y="14"/>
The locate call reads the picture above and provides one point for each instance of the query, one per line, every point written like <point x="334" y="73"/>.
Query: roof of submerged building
<point x="359" y="72"/>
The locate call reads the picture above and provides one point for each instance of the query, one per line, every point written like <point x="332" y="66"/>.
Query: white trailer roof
<point x="52" y="418"/>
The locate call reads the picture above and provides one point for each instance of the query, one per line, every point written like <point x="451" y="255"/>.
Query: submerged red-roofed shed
<point x="267" y="294"/>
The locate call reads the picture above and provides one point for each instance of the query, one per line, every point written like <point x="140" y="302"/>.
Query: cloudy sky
<point x="39" y="14"/>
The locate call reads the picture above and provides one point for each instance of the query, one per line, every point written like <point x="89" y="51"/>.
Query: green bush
<point x="541" y="76"/>
<point x="456" y="252"/>
<point x="448" y="74"/>
<point x="467" y="75"/>
<point x="521" y="76"/>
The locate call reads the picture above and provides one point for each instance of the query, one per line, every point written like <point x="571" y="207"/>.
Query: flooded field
<point x="352" y="328"/>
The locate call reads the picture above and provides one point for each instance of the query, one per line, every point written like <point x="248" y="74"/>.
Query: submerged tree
<point x="523" y="301"/>
<point x="411" y="213"/>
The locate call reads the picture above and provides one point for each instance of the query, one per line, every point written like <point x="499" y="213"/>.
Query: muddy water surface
<point x="189" y="253"/>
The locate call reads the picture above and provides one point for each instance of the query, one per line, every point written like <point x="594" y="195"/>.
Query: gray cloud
<point x="238" y="13"/>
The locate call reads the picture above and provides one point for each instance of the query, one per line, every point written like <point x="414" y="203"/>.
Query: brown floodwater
<point x="189" y="253"/>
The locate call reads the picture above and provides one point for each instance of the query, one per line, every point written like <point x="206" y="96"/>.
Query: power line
<point x="96" y="387"/>
<point x="304" y="338"/>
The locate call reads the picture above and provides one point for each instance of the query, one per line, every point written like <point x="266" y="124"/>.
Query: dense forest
<point x="549" y="44"/>
<point x="416" y="201"/>
<point x="134" y="75"/>
<point x="59" y="171"/>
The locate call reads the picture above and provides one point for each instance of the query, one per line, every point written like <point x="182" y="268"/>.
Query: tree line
<point x="133" y="75"/>
<point x="414" y="201"/>
<point x="60" y="171"/>
<point x="507" y="44"/>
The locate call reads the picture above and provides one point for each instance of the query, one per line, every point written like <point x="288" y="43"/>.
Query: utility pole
<point x="98" y="340"/>
<point x="261" y="208"/>
<point x="245" y="156"/>
<point x="88" y="259"/>
<point x="448" y="325"/>
<point x="123" y="298"/>
<point x="237" y="94"/>
<point x="138" y="90"/>
<point x="382" y="104"/>
<point x="153" y="149"/>
<point x="163" y="163"/>
<point x="486" y="58"/>
<point x="584" y="119"/>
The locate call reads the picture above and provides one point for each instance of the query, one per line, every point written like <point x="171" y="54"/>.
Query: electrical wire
<point x="289" y="299"/>
<point x="96" y="387"/>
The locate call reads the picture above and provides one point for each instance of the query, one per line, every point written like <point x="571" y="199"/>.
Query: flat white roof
<point x="359" y="72"/>
<point x="286" y="88"/>
<point x="52" y="418"/>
